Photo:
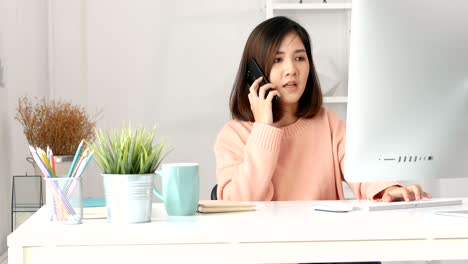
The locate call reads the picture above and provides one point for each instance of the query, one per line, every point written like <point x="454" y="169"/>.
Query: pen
<point x="39" y="162"/>
<point x="77" y="154"/>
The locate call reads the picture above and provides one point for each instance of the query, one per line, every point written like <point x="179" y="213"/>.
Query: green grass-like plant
<point x="128" y="151"/>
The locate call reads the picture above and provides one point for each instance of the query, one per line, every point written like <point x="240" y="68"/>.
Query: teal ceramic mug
<point x="180" y="188"/>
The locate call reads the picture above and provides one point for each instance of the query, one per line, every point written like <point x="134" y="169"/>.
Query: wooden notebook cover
<point x="218" y="206"/>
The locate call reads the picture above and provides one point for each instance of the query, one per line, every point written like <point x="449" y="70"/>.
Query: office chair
<point x="214" y="192"/>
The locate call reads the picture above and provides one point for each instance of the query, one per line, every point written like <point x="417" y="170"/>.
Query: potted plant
<point x="59" y="125"/>
<point x="128" y="158"/>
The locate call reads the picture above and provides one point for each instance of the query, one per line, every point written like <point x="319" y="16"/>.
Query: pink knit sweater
<point x="303" y="161"/>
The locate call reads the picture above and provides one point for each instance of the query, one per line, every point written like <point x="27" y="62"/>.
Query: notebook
<point x="218" y="206"/>
<point x="94" y="202"/>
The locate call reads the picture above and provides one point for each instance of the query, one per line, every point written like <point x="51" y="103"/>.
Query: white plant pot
<point x="128" y="197"/>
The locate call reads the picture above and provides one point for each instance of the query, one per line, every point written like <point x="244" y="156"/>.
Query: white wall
<point x="4" y="177"/>
<point x="23" y="51"/>
<point x="4" y="159"/>
<point x="4" y="164"/>
<point x="169" y="63"/>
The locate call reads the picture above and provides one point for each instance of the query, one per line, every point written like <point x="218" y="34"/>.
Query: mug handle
<point x="155" y="190"/>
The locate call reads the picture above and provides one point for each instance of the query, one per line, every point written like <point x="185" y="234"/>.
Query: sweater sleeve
<point x="245" y="163"/>
<point x="362" y="190"/>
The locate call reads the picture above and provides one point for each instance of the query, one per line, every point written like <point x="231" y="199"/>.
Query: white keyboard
<point x="436" y="202"/>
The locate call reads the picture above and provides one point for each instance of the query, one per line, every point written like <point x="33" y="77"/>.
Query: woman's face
<point x="290" y="69"/>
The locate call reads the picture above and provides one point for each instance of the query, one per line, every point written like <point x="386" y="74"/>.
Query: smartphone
<point x="254" y="72"/>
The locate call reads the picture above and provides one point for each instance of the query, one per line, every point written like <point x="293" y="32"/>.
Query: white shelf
<point x="335" y="99"/>
<point x="317" y="6"/>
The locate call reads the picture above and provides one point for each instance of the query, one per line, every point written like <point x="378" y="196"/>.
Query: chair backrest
<point x="214" y="192"/>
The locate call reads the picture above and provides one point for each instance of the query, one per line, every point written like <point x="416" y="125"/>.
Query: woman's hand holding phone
<point x="260" y="105"/>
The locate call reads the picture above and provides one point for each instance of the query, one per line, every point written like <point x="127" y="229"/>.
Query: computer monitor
<point x="407" y="116"/>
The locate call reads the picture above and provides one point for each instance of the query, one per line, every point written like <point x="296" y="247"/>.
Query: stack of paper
<point x="218" y="206"/>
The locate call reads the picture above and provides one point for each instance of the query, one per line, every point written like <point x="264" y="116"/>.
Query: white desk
<point x="277" y="232"/>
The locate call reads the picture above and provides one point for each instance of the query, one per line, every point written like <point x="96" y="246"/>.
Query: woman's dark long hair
<point x="262" y="44"/>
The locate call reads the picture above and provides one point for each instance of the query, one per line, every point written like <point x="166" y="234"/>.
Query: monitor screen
<point x="407" y="113"/>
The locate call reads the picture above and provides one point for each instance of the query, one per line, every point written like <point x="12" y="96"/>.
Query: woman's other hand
<point x="404" y="193"/>
<point x="262" y="107"/>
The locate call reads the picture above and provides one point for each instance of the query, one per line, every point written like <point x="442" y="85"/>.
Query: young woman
<point x="293" y="149"/>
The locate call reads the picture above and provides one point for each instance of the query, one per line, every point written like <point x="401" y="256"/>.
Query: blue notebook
<point x="94" y="202"/>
